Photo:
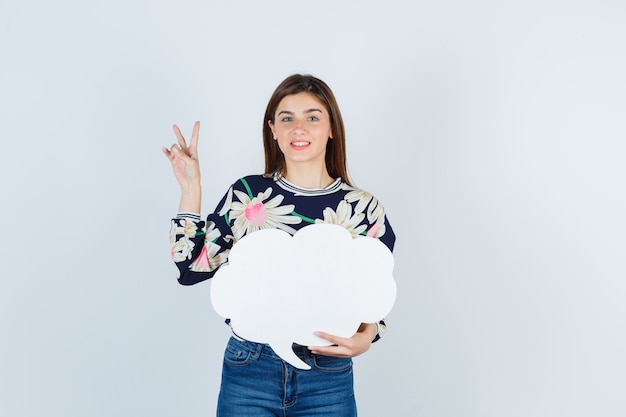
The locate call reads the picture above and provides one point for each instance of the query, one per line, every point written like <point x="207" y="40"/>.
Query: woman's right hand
<point x="184" y="160"/>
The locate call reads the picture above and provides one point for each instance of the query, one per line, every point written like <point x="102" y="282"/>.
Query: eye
<point x="286" y="119"/>
<point x="313" y="119"/>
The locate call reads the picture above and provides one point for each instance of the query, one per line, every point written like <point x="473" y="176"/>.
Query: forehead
<point x="300" y="102"/>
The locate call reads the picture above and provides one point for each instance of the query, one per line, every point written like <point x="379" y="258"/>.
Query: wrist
<point x="369" y="329"/>
<point x="191" y="188"/>
<point x="190" y="200"/>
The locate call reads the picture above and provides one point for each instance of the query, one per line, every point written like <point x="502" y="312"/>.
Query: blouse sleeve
<point x="386" y="235"/>
<point x="389" y="239"/>
<point x="199" y="248"/>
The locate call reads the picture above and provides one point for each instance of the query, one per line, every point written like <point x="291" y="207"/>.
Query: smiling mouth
<point x="300" y="143"/>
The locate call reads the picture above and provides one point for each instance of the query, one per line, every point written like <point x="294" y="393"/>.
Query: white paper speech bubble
<point x="279" y="289"/>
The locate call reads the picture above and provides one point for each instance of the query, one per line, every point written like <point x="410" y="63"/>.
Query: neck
<point x="308" y="176"/>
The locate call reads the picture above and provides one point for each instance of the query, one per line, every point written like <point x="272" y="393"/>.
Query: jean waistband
<point x="266" y="349"/>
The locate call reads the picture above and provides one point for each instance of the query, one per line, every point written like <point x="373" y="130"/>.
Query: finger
<point x="337" y="351"/>
<point x="335" y="340"/>
<point x="179" y="136"/>
<point x="180" y="154"/>
<point x="167" y="153"/>
<point x="195" y="135"/>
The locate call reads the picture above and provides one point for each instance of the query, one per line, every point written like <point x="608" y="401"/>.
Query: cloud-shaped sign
<point x="279" y="289"/>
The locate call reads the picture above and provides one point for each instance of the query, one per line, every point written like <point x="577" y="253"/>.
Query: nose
<point x="299" y="126"/>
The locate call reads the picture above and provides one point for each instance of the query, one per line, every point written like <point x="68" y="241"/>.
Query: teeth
<point x="300" y="143"/>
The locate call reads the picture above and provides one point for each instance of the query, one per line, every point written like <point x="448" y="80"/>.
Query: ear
<point x="271" y="125"/>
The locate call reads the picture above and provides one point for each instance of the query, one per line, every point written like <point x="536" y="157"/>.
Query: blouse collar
<point x="286" y="185"/>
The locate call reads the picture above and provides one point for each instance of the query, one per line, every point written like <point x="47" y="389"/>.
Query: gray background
<point x="493" y="132"/>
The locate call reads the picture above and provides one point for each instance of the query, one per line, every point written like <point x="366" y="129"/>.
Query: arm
<point x="367" y="333"/>
<point x="198" y="247"/>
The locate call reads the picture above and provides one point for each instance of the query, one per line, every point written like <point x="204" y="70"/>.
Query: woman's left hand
<point x="347" y="347"/>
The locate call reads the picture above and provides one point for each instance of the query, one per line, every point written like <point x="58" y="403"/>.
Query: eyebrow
<point x="306" y="111"/>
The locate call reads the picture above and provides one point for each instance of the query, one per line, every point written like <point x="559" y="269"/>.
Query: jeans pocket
<point x="237" y="355"/>
<point x="331" y="363"/>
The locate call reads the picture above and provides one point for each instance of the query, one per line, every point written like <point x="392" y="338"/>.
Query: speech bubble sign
<point x="279" y="289"/>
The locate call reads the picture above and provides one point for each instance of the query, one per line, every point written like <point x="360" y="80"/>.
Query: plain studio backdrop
<point x="493" y="133"/>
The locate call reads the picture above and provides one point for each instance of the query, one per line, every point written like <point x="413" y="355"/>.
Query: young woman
<point x="305" y="182"/>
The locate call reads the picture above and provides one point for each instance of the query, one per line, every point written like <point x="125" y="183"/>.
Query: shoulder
<point x="352" y="193"/>
<point x="364" y="202"/>
<point x="255" y="182"/>
<point x="246" y="190"/>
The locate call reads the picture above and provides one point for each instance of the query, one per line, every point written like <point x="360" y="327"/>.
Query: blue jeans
<point x="258" y="383"/>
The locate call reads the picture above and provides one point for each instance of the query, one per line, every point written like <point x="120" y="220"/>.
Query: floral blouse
<point x="257" y="202"/>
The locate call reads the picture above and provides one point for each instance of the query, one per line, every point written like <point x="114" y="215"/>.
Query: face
<point x="302" y="128"/>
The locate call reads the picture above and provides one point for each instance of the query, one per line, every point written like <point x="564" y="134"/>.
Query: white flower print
<point x="227" y="203"/>
<point x="209" y="259"/>
<point x="181" y="248"/>
<point x="254" y="214"/>
<point x="375" y="211"/>
<point x="190" y="228"/>
<point x="344" y="217"/>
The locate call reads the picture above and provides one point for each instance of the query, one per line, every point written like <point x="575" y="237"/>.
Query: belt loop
<point x="259" y="349"/>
